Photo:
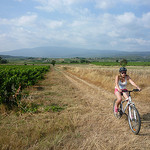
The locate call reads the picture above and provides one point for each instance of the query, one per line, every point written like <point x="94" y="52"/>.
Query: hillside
<point x="63" y="52"/>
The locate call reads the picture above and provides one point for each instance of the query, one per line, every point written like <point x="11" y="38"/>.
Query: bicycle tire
<point x="119" y="114"/>
<point x="134" y="120"/>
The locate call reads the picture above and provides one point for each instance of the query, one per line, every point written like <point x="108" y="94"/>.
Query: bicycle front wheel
<point x="134" y="119"/>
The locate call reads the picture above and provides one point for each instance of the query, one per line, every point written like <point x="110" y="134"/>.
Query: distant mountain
<point x="51" y="52"/>
<point x="63" y="52"/>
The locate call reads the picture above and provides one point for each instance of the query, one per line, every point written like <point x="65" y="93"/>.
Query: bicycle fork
<point x="132" y="112"/>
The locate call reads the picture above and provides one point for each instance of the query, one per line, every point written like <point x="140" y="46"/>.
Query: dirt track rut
<point x="101" y="130"/>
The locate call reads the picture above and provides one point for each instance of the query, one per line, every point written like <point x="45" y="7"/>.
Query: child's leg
<point x="126" y="96"/>
<point x="119" y="99"/>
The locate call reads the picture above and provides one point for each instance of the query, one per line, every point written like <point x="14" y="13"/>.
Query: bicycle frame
<point x="129" y="102"/>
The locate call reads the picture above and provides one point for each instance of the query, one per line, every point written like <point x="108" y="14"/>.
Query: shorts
<point x="116" y="90"/>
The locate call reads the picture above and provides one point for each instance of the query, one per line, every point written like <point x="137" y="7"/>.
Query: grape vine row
<point x="13" y="77"/>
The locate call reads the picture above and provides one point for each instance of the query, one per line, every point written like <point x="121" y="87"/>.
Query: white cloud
<point x="53" y="5"/>
<point x="105" y="4"/>
<point x="138" y="41"/>
<point x="70" y="7"/>
<point x="22" y="21"/>
<point x="49" y="5"/>
<point x="67" y="6"/>
<point x="113" y="34"/>
<point x="3" y="35"/>
<point x="53" y="24"/>
<point x="137" y="2"/>
<point x="126" y="18"/>
<point x="26" y="20"/>
<point x="19" y="31"/>
<point x="146" y="20"/>
<point x="18" y="0"/>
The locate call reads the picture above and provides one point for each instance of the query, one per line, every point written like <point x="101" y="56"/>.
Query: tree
<point x="123" y="62"/>
<point x="82" y="61"/>
<point x="3" y="61"/>
<point x="53" y="62"/>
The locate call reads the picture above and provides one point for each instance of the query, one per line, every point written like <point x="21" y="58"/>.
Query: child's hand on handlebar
<point x="139" y="89"/>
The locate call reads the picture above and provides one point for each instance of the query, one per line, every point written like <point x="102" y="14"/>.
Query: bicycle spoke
<point x="134" y="120"/>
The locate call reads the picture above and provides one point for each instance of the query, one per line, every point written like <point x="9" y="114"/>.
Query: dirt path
<point x="100" y="128"/>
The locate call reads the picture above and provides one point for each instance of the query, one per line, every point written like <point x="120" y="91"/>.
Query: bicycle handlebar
<point x="134" y="90"/>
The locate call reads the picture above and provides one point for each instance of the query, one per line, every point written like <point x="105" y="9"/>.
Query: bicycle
<point x="133" y="114"/>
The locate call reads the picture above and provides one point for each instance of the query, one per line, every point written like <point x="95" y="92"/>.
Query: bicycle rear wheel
<point x="119" y="113"/>
<point x="134" y="119"/>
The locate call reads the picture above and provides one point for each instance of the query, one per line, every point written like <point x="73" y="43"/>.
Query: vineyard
<point x="14" y="78"/>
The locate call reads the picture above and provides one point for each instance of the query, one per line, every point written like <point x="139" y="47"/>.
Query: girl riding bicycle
<point x="121" y="82"/>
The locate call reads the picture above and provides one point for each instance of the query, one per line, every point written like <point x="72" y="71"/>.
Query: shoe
<point x="116" y="109"/>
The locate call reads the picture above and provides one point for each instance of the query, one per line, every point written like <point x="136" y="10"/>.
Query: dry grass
<point x="105" y="77"/>
<point x="43" y="129"/>
<point x="100" y="128"/>
<point x="86" y="123"/>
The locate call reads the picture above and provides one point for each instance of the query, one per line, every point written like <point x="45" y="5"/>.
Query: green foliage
<point x="29" y="107"/>
<point x="74" y="61"/>
<point x="54" y="108"/>
<point x="53" y="62"/>
<point x="106" y="63"/>
<point x="123" y="62"/>
<point x="138" y="63"/>
<point x="118" y="64"/>
<point x="3" y="61"/>
<point x="14" y="77"/>
<point x="84" y="61"/>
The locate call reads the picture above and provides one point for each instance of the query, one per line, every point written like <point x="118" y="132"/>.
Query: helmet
<point x="122" y="69"/>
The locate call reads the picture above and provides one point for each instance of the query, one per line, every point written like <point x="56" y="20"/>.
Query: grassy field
<point x="75" y="114"/>
<point x="118" y="64"/>
<point x="104" y="76"/>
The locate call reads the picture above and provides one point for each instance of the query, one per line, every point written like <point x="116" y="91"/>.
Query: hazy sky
<point x="92" y="24"/>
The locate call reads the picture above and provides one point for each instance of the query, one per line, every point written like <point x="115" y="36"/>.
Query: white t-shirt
<point x="122" y="85"/>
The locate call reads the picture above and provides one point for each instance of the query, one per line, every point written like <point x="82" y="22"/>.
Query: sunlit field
<point x="104" y="76"/>
<point x="68" y="113"/>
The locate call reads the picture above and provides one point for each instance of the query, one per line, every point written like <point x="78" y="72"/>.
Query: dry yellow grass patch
<point x="105" y="77"/>
<point x="100" y="128"/>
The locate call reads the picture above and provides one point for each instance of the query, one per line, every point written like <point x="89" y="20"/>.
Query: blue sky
<point x="89" y="24"/>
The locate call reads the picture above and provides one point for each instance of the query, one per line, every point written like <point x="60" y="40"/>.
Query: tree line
<point x="3" y="61"/>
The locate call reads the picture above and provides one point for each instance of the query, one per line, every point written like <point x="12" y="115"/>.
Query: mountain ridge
<point x="64" y="52"/>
